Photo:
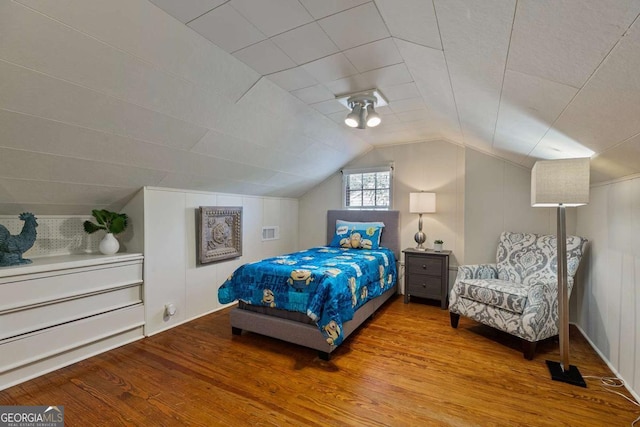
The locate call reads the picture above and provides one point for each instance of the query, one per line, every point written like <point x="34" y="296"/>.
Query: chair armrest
<point x="470" y="271"/>
<point x="542" y="292"/>
<point x="540" y="315"/>
<point x="477" y="271"/>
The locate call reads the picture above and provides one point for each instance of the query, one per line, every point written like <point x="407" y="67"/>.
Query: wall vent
<point x="270" y="232"/>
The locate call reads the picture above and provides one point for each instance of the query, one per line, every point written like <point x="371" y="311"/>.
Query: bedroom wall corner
<point x="132" y="240"/>
<point x="172" y="273"/>
<point x="497" y="198"/>
<point x="460" y="208"/>
<point x="313" y="207"/>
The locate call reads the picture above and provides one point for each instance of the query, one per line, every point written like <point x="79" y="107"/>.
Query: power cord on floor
<point x="607" y="383"/>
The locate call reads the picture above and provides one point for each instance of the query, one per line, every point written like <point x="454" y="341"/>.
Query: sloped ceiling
<point x="99" y="98"/>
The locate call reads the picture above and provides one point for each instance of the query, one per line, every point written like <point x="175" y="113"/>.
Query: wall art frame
<point x="219" y="233"/>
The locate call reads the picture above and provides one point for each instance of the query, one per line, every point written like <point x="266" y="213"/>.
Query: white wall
<point x="313" y="210"/>
<point x="498" y="198"/>
<point x="172" y="274"/>
<point x="608" y="300"/>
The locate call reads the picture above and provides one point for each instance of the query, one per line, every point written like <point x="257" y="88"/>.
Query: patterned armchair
<point x="518" y="294"/>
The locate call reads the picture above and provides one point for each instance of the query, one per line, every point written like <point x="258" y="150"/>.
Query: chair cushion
<point x="499" y="293"/>
<point x="531" y="258"/>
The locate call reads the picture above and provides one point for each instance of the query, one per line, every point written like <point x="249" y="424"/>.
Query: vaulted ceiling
<point x="99" y="98"/>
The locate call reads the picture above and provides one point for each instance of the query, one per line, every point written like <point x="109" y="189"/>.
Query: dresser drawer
<point x="30" y="348"/>
<point x="40" y="316"/>
<point x="43" y="288"/>
<point x="424" y="286"/>
<point x="421" y="265"/>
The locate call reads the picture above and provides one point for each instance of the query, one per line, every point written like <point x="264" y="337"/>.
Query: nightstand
<point x="426" y="275"/>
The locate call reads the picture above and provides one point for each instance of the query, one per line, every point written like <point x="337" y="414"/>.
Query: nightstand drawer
<point x="424" y="286"/>
<point x="421" y="265"/>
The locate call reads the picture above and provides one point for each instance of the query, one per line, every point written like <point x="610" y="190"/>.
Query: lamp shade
<point x="560" y="182"/>
<point x="422" y="202"/>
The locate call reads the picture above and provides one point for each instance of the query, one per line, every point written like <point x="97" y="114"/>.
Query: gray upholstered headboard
<point x="390" y="237"/>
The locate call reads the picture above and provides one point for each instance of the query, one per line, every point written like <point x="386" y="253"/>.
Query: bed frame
<point x="307" y="334"/>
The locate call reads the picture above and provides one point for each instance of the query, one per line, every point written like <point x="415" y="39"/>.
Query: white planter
<point x="437" y="247"/>
<point x="109" y="245"/>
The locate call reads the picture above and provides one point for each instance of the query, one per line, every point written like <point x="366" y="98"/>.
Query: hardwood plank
<point x="405" y="367"/>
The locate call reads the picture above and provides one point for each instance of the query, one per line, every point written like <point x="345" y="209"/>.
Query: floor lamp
<point x="561" y="183"/>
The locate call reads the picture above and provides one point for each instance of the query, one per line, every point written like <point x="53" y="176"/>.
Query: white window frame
<point x="345" y="180"/>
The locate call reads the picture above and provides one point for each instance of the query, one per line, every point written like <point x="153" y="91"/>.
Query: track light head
<point x="373" y="118"/>
<point x="353" y="118"/>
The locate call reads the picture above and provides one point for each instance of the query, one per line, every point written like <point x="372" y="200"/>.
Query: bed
<point x="260" y="312"/>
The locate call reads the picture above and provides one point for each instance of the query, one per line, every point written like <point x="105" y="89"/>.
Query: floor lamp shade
<point x="421" y="203"/>
<point x="555" y="182"/>
<point x="561" y="183"/>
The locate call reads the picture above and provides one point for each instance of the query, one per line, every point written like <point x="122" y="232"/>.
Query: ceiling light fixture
<point x="362" y="106"/>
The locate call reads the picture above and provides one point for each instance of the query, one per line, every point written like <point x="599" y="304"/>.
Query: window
<point x="367" y="188"/>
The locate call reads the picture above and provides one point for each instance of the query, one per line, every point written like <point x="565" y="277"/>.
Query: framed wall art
<point x="219" y="233"/>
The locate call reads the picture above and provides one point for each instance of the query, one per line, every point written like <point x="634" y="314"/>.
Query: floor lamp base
<point x="571" y="376"/>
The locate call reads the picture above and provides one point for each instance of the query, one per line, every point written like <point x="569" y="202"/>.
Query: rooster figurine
<point x="12" y="247"/>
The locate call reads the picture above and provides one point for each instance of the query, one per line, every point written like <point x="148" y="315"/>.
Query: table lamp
<point x="421" y="203"/>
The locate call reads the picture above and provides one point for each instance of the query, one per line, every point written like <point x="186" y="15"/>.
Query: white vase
<point x="109" y="245"/>
<point x="437" y="247"/>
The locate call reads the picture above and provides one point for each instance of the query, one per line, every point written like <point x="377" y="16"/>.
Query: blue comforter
<point x="328" y="284"/>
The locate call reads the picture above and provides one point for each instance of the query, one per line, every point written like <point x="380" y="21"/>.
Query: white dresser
<point x="59" y="310"/>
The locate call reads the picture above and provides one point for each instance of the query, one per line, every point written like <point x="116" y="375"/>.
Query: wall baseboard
<point x="613" y="369"/>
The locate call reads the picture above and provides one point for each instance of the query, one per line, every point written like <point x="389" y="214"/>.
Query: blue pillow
<point x="356" y="237"/>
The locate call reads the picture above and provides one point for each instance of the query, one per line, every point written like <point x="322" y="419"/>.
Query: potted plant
<point x="111" y="222"/>
<point x="437" y="245"/>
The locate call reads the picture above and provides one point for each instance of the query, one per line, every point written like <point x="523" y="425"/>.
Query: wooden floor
<point x="406" y="366"/>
